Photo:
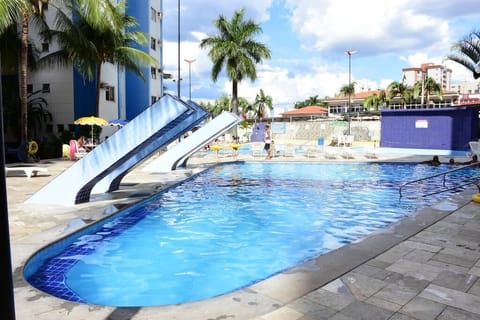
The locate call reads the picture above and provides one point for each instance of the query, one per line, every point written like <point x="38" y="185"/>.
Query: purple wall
<point x="443" y="129"/>
<point x="258" y="132"/>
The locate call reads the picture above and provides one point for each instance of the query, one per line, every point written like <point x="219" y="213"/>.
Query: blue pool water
<point x="227" y="228"/>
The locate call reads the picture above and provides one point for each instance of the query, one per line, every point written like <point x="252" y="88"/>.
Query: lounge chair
<point x="30" y="171"/>
<point x="330" y="153"/>
<point x="475" y="147"/>
<point x="290" y="150"/>
<point x="312" y="152"/>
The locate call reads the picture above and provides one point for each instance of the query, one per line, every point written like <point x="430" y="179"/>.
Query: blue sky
<point x="308" y="40"/>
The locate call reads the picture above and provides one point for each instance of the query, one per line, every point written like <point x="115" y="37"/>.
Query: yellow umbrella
<point x="91" y="121"/>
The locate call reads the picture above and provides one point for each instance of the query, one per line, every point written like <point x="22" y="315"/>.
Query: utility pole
<point x="349" y="53"/>
<point x="190" y="77"/>
<point x="178" y="43"/>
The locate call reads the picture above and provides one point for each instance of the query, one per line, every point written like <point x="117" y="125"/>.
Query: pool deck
<point x="426" y="266"/>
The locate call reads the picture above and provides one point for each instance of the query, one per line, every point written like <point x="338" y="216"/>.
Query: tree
<point x="374" y="101"/>
<point x="425" y="88"/>
<point x="218" y="106"/>
<point x="10" y="12"/>
<point x="100" y="32"/>
<point x="235" y="49"/>
<point x="398" y="89"/>
<point x="467" y="53"/>
<point x="261" y="103"/>
<point x="23" y="12"/>
<point x="312" y="101"/>
<point x="348" y="90"/>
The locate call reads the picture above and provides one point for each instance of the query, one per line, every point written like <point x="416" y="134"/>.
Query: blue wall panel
<point x="442" y="129"/>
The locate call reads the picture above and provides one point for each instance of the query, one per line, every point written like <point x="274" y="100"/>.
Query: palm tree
<point x="373" y="102"/>
<point x="235" y="49"/>
<point x="218" y="106"/>
<point x="313" y="101"/>
<point x="398" y="89"/>
<point x="23" y="12"/>
<point x="100" y="32"/>
<point x="467" y="53"/>
<point x="261" y="103"/>
<point x="348" y="90"/>
<point x="426" y="88"/>
<point x="10" y="11"/>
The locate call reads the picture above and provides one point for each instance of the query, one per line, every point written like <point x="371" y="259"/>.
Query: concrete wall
<point x="362" y="130"/>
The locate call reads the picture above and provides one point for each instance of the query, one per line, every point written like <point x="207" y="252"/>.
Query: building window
<point x="153" y="43"/>
<point x="45" y="47"/>
<point x="46" y="87"/>
<point x="153" y="14"/>
<point x="29" y="88"/>
<point x="49" y="128"/>
<point x="153" y="71"/>
<point x="60" y="128"/>
<point x="71" y="127"/>
<point x="154" y="99"/>
<point x="109" y="93"/>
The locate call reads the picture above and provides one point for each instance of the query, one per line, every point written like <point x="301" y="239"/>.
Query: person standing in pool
<point x="268" y="142"/>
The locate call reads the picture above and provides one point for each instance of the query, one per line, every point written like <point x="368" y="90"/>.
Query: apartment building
<point x="439" y="73"/>
<point x="123" y="94"/>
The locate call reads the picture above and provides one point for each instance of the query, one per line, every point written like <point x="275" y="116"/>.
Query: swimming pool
<point x="224" y="229"/>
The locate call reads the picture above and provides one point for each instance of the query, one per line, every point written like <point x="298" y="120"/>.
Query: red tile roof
<point x="306" y="111"/>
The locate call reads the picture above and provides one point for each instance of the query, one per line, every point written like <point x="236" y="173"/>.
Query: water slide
<point x="179" y="154"/>
<point x="111" y="182"/>
<point x="152" y="129"/>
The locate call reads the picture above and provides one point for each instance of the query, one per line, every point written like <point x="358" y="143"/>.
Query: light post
<point x="349" y="53"/>
<point x="190" y="77"/>
<point x="178" y="43"/>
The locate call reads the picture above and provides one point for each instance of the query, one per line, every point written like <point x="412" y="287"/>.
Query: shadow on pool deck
<point x="423" y="267"/>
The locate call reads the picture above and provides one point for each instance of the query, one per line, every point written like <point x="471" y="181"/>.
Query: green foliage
<point x="234" y="48"/>
<point x="466" y="52"/>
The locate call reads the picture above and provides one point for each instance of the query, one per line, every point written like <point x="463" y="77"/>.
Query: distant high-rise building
<point x="439" y="73"/>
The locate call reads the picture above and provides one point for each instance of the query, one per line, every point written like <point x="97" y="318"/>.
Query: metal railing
<point x="474" y="181"/>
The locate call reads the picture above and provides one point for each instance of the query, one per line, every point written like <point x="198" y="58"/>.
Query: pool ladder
<point x="475" y="180"/>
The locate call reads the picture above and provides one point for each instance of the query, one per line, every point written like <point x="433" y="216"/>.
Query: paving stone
<point x="307" y="307"/>
<point x="362" y="286"/>
<point x="418" y="255"/>
<point x="423" y="309"/>
<point x="451" y="313"/>
<point x="422" y="246"/>
<point x="284" y="313"/>
<point x="378" y="263"/>
<point x="373" y="272"/>
<point x="365" y="311"/>
<point x="420" y="271"/>
<point x="475" y="289"/>
<point x="454" y="259"/>
<point x="399" y="316"/>
<point x="475" y="271"/>
<point x="394" y="254"/>
<point x="453" y="298"/>
<point x="329" y="299"/>
<point x="384" y="304"/>
<point x="455" y="281"/>
<point x="339" y="316"/>
<point x="448" y="266"/>
<point x="402" y="291"/>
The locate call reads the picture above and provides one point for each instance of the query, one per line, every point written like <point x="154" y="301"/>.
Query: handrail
<point x="436" y="175"/>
